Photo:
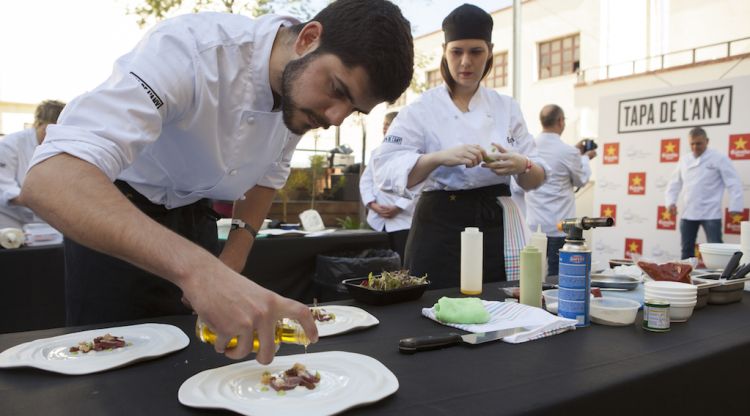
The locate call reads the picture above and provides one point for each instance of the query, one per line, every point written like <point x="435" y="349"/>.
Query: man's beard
<point x="289" y="108"/>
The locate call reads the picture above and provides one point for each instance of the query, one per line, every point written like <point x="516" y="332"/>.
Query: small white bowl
<point x="614" y="311"/>
<point x="660" y="295"/>
<point x="680" y="313"/>
<point x="665" y="286"/>
<point x="550" y="300"/>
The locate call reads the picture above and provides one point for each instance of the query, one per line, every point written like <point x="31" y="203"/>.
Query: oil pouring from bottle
<point x="287" y="331"/>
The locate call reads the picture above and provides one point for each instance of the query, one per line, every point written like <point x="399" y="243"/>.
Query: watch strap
<point x="238" y="224"/>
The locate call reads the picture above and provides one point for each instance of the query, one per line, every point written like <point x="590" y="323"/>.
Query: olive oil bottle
<point x="288" y="331"/>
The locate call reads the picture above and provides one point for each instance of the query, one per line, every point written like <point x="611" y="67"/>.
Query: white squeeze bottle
<point x="539" y="240"/>
<point x="472" y="244"/>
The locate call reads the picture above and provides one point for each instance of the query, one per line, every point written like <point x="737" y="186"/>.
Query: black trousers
<point x="434" y="243"/>
<point x="100" y="288"/>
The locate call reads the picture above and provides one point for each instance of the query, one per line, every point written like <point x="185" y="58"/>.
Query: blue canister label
<point x="574" y="282"/>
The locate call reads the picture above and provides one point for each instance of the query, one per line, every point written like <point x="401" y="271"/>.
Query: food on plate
<point x="106" y="342"/>
<point x="290" y="379"/>
<point x="393" y="280"/>
<point x="320" y="315"/>
<point x="672" y="271"/>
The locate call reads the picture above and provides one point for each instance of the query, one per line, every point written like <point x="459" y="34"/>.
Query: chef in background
<point x="703" y="174"/>
<point x="385" y="211"/>
<point x="437" y="145"/>
<point x="16" y="150"/>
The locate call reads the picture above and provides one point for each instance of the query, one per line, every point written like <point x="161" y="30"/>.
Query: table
<point x="33" y="278"/>
<point x="33" y="288"/>
<point x="697" y="367"/>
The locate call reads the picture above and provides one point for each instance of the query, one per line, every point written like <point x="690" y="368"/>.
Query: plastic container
<point x="614" y="311"/>
<point x="717" y="255"/>
<point x="370" y="296"/>
<point x="472" y="245"/>
<point x="550" y="300"/>
<point x="539" y="240"/>
<point x="531" y="276"/>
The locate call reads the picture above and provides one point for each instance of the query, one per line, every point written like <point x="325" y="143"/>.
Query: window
<point x="498" y="75"/>
<point x="559" y="56"/>
<point x="434" y="78"/>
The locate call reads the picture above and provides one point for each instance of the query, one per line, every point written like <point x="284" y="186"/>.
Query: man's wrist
<point x="528" y="166"/>
<point x="238" y="224"/>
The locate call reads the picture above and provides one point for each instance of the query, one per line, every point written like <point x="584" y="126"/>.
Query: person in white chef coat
<point x="16" y="150"/>
<point x="555" y="200"/>
<point x="386" y="211"/>
<point x="206" y="106"/>
<point x="437" y="144"/>
<point x="703" y="174"/>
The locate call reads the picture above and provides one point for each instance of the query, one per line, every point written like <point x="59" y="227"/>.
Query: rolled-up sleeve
<point x="110" y="125"/>
<point x="402" y="146"/>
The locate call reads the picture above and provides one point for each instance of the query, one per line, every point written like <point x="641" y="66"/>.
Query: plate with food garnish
<point x="338" y="319"/>
<point x="97" y="349"/>
<point x="321" y="383"/>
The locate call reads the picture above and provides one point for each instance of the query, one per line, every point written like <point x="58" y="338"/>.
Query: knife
<point x="433" y="342"/>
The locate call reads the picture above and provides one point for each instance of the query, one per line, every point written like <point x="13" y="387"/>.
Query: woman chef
<point x="441" y="145"/>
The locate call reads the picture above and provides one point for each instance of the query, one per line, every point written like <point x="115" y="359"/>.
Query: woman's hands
<point x="468" y="154"/>
<point x="504" y="163"/>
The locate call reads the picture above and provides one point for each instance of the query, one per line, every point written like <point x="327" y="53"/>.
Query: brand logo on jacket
<point x="609" y="210"/>
<point x="732" y="222"/>
<point x="633" y="246"/>
<point x="393" y="139"/>
<point x="664" y="219"/>
<point x="611" y="154"/>
<point x="637" y="183"/>
<point x="739" y="146"/>
<point x="670" y="150"/>
<point x="151" y="93"/>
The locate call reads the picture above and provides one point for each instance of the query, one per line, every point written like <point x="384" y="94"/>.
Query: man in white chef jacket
<point x="703" y="174"/>
<point x="206" y="106"/>
<point x="386" y="211"/>
<point x="16" y="150"/>
<point x="555" y="200"/>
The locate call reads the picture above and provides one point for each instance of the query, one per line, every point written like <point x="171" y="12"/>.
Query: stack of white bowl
<point x="682" y="297"/>
<point x="717" y="255"/>
<point x="745" y="246"/>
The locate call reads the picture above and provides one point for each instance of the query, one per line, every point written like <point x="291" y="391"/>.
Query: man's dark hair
<point x="374" y="35"/>
<point x="445" y="71"/>
<point x="549" y="115"/>
<point x="697" y="132"/>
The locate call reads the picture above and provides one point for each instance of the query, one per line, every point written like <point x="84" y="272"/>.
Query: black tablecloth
<point x="697" y="367"/>
<point x="33" y="278"/>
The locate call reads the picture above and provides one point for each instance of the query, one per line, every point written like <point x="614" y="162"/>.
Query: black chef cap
<point x="468" y="22"/>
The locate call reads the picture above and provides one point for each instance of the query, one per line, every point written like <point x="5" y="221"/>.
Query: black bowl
<point x="382" y="297"/>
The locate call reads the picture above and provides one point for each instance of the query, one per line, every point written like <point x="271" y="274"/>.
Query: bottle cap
<point x="471" y="230"/>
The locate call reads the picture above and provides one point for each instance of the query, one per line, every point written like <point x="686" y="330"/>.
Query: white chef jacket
<point x="185" y="115"/>
<point x="16" y="150"/>
<point x="555" y="200"/>
<point x="370" y="193"/>
<point x="704" y="179"/>
<point x="433" y="123"/>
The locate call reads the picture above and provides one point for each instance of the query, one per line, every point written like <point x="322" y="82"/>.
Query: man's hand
<point x="673" y="210"/>
<point x="591" y="154"/>
<point x="505" y="162"/>
<point x="385" y="211"/>
<point x="232" y="305"/>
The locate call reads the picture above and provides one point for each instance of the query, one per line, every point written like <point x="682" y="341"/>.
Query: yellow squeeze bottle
<point x="288" y="331"/>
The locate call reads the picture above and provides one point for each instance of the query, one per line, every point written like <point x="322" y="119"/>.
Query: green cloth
<point x="461" y="311"/>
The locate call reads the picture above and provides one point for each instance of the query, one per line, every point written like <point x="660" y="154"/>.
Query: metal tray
<point x="614" y="281"/>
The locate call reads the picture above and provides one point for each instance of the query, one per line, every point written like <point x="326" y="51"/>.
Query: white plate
<point x="52" y="354"/>
<point x="346" y="380"/>
<point x="348" y="318"/>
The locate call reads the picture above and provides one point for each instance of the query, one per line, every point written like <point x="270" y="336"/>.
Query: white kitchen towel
<point x="11" y="238"/>
<point x="515" y="235"/>
<point x="511" y="315"/>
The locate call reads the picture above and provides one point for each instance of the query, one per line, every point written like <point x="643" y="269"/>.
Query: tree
<point x="149" y="11"/>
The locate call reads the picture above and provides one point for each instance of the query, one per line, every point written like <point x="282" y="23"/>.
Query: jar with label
<point x="656" y="315"/>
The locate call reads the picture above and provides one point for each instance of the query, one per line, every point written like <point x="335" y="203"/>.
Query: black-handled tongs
<point x="731" y="266"/>
<point x="741" y="272"/>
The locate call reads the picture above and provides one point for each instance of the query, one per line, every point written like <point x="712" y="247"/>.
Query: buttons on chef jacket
<point x="232" y="172"/>
<point x="242" y="198"/>
<point x="250" y="119"/>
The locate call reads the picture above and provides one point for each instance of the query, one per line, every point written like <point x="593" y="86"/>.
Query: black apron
<point x="100" y="288"/>
<point x="434" y="244"/>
